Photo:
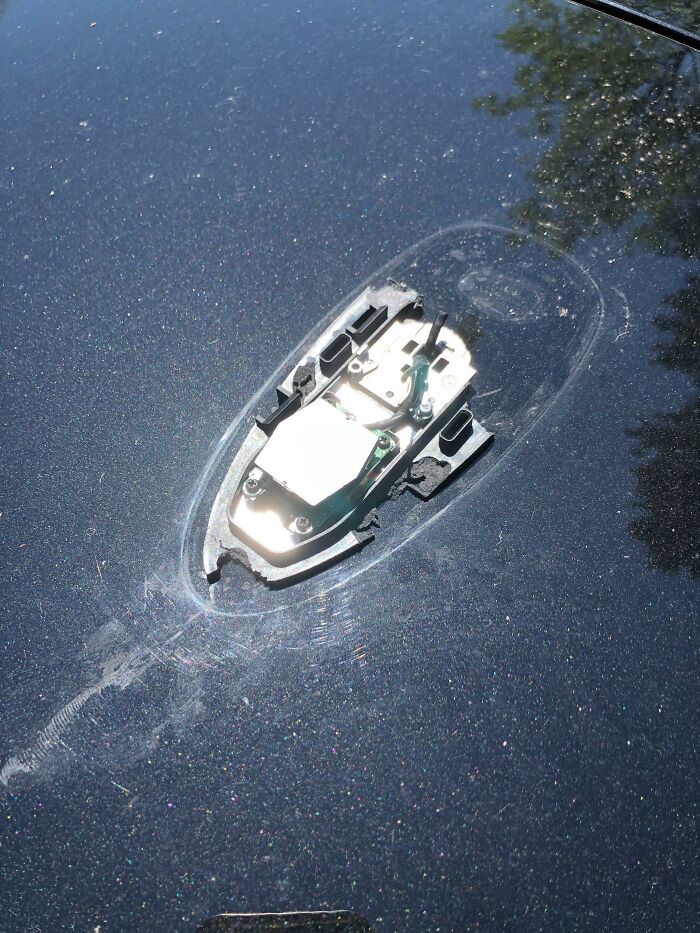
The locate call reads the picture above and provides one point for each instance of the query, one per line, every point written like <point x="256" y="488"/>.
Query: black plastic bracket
<point x="283" y="410"/>
<point x="456" y="432"/>
<point x="365" y="325"/>
<point x="335" y="355"/>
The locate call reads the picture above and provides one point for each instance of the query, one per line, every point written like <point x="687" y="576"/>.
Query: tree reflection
<point x="622" y="110"/>
<point x="668" y="480"/>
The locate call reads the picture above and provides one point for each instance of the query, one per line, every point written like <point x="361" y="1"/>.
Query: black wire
<point x="417" y="373"/>
<point x="431" y="342"/>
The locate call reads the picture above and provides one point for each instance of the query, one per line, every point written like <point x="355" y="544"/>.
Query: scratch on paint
<point x="50" y="737"/>
<point x="627" y="315"/>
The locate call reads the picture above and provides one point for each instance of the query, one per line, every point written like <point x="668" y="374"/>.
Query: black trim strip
<point x="650" y="23"/>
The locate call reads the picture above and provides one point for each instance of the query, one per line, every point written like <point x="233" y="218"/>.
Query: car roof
<point x="491" y="724"/>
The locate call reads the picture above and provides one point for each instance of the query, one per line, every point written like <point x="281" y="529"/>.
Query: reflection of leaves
<point x="683" y="352"/>
<point x="669" y="487"/>
<point x="625" y="108"/>
<point x="623" y="111"/>
<point x="668" y="482"/>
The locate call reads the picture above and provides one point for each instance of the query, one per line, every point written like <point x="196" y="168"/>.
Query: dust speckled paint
<point x="490" y="725"/>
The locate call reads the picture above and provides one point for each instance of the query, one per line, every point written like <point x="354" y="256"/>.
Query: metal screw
<point x="425" y="411"/>
<point x="252" y="486"/>
<point x="302" y="525"/>
<point x="384" y="442"/>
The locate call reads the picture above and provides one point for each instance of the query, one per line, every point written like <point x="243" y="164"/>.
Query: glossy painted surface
<point x="493" y="724"/>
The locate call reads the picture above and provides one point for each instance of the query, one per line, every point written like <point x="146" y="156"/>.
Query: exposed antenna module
<point x="378" y="400"/>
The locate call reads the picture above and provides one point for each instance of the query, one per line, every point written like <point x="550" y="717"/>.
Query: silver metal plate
<point x="390" y="356"/>
<point x="316" y="452"/>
